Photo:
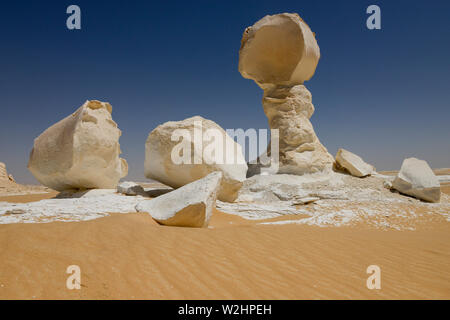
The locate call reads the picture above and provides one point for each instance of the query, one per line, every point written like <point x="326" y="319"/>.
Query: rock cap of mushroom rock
<point x="279" y="49"/>
<point x="80" y="152"/>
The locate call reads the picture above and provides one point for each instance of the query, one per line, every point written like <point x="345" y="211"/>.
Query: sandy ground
<point x="129" y="256"/>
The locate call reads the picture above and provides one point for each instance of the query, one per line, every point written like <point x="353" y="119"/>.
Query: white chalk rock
<point x="279" y="49"/>
<point x="289" y="109"/>
<point x="3" y="172"/>
<point x="387" y="184"/>
<point x="180" y="152"/>
<point x="416" y="179"/>
<point x="353" y="164"/>
<point x="4" y="176"/>
<point x="130" y="188"/>
<point x="279" y="53"/>
<point x="80" y="152"/>
<point x="188" y="206"/>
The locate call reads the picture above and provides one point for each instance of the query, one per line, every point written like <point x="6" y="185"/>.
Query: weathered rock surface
<point x="279" y="49"/>
<point x="188" y="206"/>
<point x="332" y="199"/>
<point x="353" y="164"/>
<point x="4" y="176"/>
<point x="130" y="188"/>
<point x="279" y="53"/>
<point x="80" y="152"/>
<point x="288" y="109"/>
<point x="293" y="189"/>
<point x="184" y="139"/>
<point x="69" y="206"/>
<point x="416" y="179"/>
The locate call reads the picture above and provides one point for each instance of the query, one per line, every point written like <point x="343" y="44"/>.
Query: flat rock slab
<point x="69" y="207"/>
<point x="188" y="206"/>
<point x="353" y="164"/>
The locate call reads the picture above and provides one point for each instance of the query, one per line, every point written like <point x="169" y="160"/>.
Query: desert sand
<point x="130" y="256"/>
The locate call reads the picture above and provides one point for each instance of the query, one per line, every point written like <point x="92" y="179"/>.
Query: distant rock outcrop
<point x="188" y="206"/>
<point x="353" y="164"/>
<point x="416" y="179"/>
<point x="167" y="141"/>
<point x="4" y="176"/>
<point x="80" y="152"/>
<point x="279" y="53"/>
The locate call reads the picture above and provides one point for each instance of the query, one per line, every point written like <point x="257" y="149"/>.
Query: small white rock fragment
<point x="188" y="206"/>
<point x="387" y="184"/>
<point x="416" y="179"/>
<point x="353" y="164"/>
<point x="130" y="188"/>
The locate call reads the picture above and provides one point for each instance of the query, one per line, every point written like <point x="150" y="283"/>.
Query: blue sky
<point x="383" y="94"/>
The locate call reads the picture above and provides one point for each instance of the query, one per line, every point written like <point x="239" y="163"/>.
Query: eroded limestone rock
<point x="173" y="138"/>
<point x="416" y="179"/>
<point x="279" y="49"/>
<point x="353" y="164"/>
<point x="188" y="206"/>
<point x="80" y="152"/>
<point x="279" y="53"/>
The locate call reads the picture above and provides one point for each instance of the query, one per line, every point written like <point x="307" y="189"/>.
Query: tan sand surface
<point x="24" y="198"/>
<point x="128" y="256"/>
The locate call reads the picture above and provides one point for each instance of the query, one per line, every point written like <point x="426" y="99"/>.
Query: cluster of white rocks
<point x="279" y="53"/>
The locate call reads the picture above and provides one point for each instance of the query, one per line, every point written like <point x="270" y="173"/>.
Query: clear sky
<point x="383" y="94"/>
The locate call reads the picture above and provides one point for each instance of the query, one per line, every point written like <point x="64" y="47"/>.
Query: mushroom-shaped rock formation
<point x="80" y="152"/>
<point x="279" y="53"/>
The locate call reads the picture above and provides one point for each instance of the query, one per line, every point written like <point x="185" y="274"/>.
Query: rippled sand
<point x="128" y="256"/>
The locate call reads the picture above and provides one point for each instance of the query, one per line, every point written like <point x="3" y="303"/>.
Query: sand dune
<point x="128" y="256"/>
